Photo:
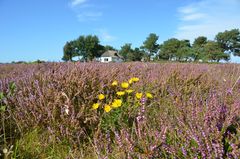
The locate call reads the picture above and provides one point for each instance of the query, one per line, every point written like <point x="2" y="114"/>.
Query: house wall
<point x="106" y="59"/>
<point x="110" y="59"/>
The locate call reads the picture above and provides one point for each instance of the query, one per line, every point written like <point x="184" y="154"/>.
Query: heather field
<point x="120" y="110"/>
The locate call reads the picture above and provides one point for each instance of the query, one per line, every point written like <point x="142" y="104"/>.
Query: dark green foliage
<point x="202" y="50"/>
<point x="150" y="44"/>
<point x="174" y="49"/>
<point x="125" y="50"/>
<point x="130" y="54"/>
<point x="69" y="51"/>
<point x="208" y="50"/>
<point x="108" y="47"/>
<point x="213" y="52"/>
<point x="185" y="54"/>
<point x="181" y="50"/>
<point x="136" y="55"/>
<point x="229" y="41"/>
<point x="200" y="41"/>
<point x="168" y="49"/>
<point x="87" y="47"/>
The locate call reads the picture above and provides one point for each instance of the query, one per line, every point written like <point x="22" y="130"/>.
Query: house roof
<point x="110" y="53"/>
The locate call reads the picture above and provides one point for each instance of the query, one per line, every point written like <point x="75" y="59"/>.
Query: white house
<point x="110" y="56"/>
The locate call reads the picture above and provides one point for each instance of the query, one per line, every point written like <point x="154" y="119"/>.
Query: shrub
<point x="126" y="110"/>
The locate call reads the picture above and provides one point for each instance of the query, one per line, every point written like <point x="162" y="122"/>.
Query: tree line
<point x="87" y="48"/>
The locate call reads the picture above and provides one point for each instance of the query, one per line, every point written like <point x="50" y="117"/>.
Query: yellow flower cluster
<point x="115" y="83"/>
<point x="139" y="95"/>
<point x="125" y="85"/>
<point x="117" y="103"/>
<point x="149" y="95"/>
<point x="134" y="79"/>
<point x="95" y="105"/>
<point x="101" y="96"/>
<point x="126" y="90"/>
<point x="120" y="93"/>
<point x="108" y="107"/>
<point x="129" y="91"/>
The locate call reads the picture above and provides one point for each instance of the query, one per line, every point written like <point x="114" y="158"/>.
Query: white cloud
<point x="77" y="2"/>
<point x="89" y="16"/>
<point x="86" y="11"/>
<point x="194" y="16"/>
<point x="105" y="36"/>
<point x="207" y="18"/>
<point x="187" y="10"/>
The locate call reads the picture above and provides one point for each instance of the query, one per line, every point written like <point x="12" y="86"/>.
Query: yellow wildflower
<point x="129" y="90"/>
<point x="95" y="105"/>
<point x="149" y="95"/>
<point x="114" y="105"/>
<point x="115" y="83"/>
<point x="139" y="95"/>
<point x="135" y="79"/>
<point x="121" y="93"/>
<point x="117" y="103"/>
<point x="130" y="81"/>
<point x="101" y="96"/>
<point x="107" y="108"/>
<point x="124" y="85"/>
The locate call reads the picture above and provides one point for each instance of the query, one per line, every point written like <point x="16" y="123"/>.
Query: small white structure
<point x="110" y="56"/>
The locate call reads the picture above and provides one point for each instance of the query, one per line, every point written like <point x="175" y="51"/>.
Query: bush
<point x="184" y="111"/>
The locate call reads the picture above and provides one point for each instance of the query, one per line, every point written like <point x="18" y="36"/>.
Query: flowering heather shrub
<point x="126" y="110"/>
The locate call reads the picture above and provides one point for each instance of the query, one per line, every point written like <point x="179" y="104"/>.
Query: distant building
<point x="110" y="56"/>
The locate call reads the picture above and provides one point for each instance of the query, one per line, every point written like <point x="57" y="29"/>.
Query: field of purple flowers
<point x="126" y="110"/>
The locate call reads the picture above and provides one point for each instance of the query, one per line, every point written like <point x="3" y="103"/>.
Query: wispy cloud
<point x="77" y="2"/>
<point x="187" y="10"/>
<point x="105" y="36"/>
<point x="86" y="11"/>
<point x="207" y="18"/>
<point x="89" y="16"/>
<point x="193" y="16"/>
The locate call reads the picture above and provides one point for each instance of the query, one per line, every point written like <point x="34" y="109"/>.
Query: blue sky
<point x="38" y="29"/>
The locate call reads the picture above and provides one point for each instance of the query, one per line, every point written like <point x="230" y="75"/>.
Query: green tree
<point x="68" y="51"/>
<point x="214" y="52"/>
<point x="200" y="41"/>
<point x="150" y="44"/>
<point x="108" y="47"/>
<point x="198" y="53"/>
<point x="88" y="47"/>
<point x="92" y="47"/>
<point x="130" y="54"/>
<point x="135" y="55"/>
<point x="184" y="50"/>
<point x="184" y="53"/>
<point x="125" y="50"/>
<point x="184" y="43"/>
<point x="229" y="41"/>
<point x="198" y="48"/>
<point x="174" y="49"/>
<point x="168" y="49"/>
<point x="80" y="45"/>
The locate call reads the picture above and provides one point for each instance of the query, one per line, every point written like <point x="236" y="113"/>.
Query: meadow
<point x="120" y="110"/>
